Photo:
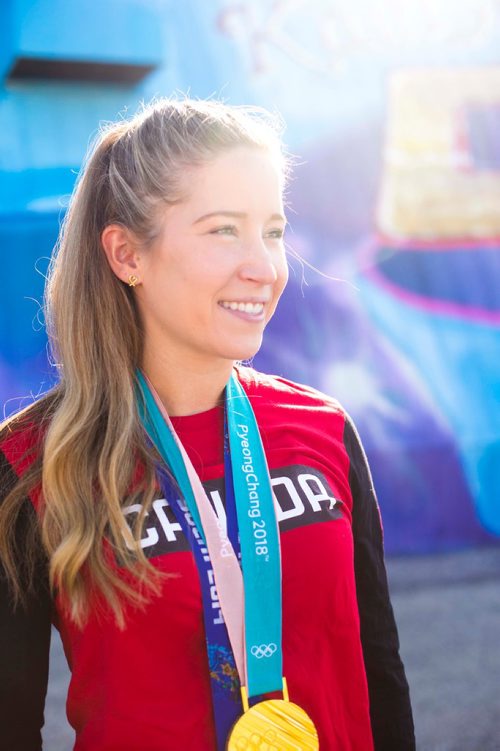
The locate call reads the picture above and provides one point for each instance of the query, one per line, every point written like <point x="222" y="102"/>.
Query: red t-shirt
<point x="147" y="687"/>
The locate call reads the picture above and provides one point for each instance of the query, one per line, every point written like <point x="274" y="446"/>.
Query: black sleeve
<point x="24" y="644"/>
<point x="390" y="708"/>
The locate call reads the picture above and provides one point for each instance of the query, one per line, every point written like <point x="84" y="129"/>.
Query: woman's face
<point x="212" y="278"/>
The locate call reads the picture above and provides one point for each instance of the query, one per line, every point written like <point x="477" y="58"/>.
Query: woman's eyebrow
<point x="236" y="215"/>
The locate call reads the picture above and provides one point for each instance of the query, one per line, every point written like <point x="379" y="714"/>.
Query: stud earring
<point x="132" y="280"/>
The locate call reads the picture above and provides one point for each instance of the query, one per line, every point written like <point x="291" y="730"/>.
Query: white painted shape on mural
<point x="323" y="63"/>
<point x="320" y="35"/>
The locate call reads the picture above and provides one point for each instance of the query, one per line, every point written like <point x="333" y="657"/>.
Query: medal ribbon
<point x="225" y="565"/>
<point x="250" y="603"/>
<point x="224" y="678"/>
<point x="260" y="545"/>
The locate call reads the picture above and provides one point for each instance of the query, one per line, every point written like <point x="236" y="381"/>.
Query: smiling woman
<point x="207" y="287"/>
<point x="205" y="537"/>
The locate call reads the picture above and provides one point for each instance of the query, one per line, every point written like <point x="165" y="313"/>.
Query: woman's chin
<point x="240" y="354"/>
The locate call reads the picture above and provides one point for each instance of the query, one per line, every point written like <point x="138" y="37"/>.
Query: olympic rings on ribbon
<point x="263" y="650"/>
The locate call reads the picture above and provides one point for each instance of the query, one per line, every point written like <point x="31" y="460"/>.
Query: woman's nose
<point x="260" y="263"/>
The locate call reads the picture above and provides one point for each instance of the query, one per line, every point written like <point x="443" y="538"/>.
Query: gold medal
<point x="273" y="725"/>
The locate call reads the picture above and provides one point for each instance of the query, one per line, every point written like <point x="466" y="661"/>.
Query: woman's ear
<point x="122" y="252"/>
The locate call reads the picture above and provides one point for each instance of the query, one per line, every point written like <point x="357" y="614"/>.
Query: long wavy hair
<point x="91" y="458"/>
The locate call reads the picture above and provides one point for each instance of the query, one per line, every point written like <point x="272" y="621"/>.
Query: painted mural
<point x="432" y="275"/>
<point x="393" y="115"/>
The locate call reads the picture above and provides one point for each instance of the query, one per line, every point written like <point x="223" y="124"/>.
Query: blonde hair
<point x="94" y="458"/>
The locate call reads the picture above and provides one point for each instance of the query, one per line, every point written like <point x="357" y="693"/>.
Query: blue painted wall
<point x="324" y="66"/>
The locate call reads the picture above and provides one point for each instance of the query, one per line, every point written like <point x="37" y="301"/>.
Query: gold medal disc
<point x="274" y="725"/>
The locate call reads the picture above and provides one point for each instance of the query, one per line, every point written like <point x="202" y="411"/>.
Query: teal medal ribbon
<point x="258" y="528"/>
<point x="164" y="441"/>
<point x="260" y="545"/>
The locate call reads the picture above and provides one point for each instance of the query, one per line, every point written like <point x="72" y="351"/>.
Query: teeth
<point x="252" y="308"/>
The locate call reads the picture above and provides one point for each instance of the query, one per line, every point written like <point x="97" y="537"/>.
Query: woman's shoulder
<point x="22" y="434"/>
<point x="283" y="391"/>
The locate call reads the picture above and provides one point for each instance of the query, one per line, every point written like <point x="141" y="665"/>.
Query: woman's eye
<point x="230" y="229"/>
<point x="226" y="230"/>
<point x="276" y="233"/>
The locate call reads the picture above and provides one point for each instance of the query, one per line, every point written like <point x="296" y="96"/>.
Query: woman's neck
<point x="187" y="389"/>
